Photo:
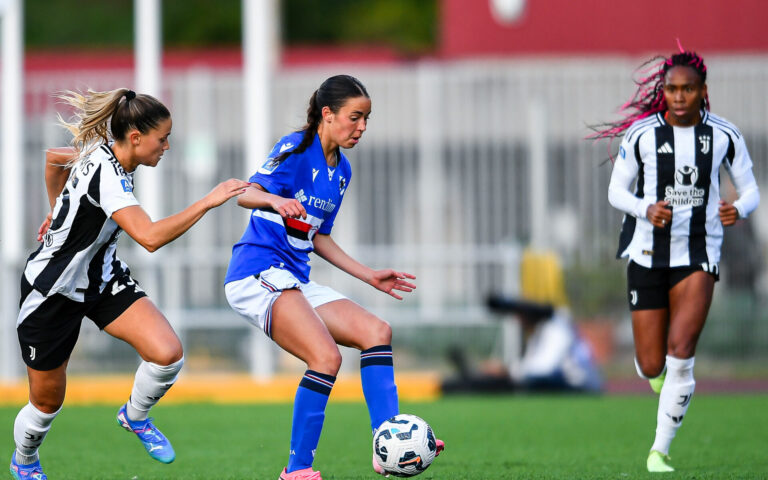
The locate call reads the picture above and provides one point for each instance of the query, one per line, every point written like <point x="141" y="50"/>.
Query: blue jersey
<point x="271" y="240"/>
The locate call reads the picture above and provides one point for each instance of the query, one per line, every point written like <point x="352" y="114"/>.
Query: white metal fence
<point x="463" y="164"/>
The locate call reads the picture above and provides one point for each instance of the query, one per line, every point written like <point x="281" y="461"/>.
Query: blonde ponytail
<point x="93" y="112"/>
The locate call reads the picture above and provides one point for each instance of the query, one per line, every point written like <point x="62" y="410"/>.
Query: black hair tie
<point x="130" y="95"/>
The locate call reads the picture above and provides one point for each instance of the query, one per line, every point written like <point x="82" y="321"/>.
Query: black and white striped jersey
<point x="77" y="257"/>
<point x="682" y="166"/>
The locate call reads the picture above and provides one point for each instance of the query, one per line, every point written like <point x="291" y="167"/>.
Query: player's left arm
<point x="386" y="280"/>
<point x="740" y="171"/>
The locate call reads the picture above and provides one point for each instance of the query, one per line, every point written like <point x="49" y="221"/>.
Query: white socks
<point x="673" y="401"/>
<point x="149" y="386"/>
<point x="29" y="430"/>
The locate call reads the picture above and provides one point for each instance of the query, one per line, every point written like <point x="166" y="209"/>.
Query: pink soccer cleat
<point x="378" y="468"/>
<point x="303" y="474"/>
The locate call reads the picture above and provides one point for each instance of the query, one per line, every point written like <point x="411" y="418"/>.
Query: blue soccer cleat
<point x="157" y="446"/>
<point x="27" y="472"/>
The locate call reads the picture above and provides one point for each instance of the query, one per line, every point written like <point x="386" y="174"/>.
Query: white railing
<point x="443" y="182"/>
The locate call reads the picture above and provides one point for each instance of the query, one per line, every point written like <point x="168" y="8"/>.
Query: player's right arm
<point x="153" y="235"/>
<point x="625" y="171"/>
<point x="256" y="197"/>
<point x="56" y="174"/>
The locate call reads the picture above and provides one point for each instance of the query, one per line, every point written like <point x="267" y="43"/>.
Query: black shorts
<point x="648" y="288"/>
<point x="50" y="326"/>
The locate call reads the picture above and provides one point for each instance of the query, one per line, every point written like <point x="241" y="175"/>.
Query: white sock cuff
<point x="43" y="419"/>
<point x="681" y="365"/>
<point x="165" y="373"/>
<point x="639" y="371"/>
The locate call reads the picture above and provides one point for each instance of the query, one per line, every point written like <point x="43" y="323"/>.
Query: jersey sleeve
<point x="115" y="191"/>
<point x="739" y="166"/>
<point x="625" y="171"/>
<point x="276" y="177"/>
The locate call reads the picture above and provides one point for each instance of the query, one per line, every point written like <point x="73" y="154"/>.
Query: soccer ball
<point x="404" y="445"/>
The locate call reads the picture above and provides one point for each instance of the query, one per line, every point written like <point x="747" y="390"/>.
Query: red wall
<point x="546" y="27"/>
<point x="557" y="27"/>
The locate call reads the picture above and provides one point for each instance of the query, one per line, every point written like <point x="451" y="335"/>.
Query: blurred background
<point x="474" y="165"/>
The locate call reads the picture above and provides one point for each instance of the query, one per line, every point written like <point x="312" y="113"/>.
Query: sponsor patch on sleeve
<point x="269" y="166"/>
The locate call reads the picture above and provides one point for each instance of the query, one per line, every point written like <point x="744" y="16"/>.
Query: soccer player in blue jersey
<point x="294" y="198"/>
<point x="673" y="227"/>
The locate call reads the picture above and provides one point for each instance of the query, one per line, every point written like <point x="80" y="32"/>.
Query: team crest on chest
<point x="342" y="185"/>
<point x="705" y="141"/>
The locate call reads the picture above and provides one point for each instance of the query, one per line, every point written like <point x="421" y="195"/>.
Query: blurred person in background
<point x="294" y="198"/>
<point x="76" y="271"/>
<point x="673" y="228"/>
<point x="555" y="355"/>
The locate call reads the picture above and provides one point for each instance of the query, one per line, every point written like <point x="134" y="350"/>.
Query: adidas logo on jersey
<point x="300" y="196"/>
<point x="666" y="148"/>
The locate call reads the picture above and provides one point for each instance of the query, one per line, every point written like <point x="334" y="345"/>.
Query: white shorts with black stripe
<point x="253" y="296"/>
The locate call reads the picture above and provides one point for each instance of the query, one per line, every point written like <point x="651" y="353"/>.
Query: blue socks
<point x="378" y="377"/>
<point x="308" y="415"/>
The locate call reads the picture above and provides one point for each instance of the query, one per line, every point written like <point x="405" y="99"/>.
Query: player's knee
<point x="651" y="367"/>
<point x="381" y="333"/>
<point x="48" y="402"/>
<point x="328" y="361"/>
<point x="169" y="354"/>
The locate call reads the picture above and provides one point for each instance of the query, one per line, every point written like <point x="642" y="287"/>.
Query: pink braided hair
<point x="649" y="97"/>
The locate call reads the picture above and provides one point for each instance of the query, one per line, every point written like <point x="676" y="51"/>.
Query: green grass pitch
<point x="498" y="437"/>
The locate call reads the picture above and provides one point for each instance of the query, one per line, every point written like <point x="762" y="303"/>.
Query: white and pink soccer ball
<point x="404" y="445"/>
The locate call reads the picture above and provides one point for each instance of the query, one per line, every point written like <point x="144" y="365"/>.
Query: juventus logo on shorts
<point x="706" y="141"/>
<point x="633" y="297"/>
<point x="32" y="353"/>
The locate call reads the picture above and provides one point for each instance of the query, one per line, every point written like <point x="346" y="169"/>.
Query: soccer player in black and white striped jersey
<point x="673" y="227"/>
<point x="76" y="271"/>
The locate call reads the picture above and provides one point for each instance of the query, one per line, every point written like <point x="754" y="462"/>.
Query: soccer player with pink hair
<point x="672" y="150"/>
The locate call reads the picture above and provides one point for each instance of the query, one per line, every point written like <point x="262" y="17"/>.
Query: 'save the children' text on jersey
<point x="681" y="166"/>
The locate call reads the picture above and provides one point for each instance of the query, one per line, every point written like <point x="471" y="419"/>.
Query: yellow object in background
<point x="541" y="278"/>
